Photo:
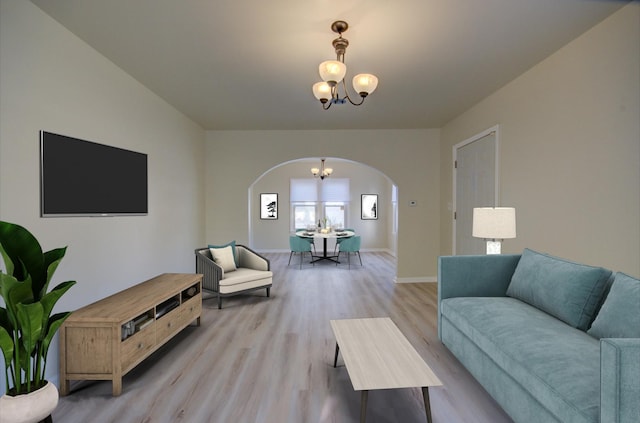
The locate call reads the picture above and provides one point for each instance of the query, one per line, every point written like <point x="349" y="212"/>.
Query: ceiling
<point x="249" y="65"/>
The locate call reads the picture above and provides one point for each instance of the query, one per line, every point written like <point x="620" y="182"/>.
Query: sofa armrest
<point x="620" y="380"/>
<point x="474" y="276"/>
<point x="211" y="272"/>
<point x="249" y="259"/>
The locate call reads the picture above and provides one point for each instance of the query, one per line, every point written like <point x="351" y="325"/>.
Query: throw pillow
<point x="619" y="316"/>
<point x="224" y="258"/>
<point x="232" y="244"/>
<point x="567" y="290"/>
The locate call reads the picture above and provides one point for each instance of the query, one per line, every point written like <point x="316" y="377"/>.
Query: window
<point x="304" y="215"/>
<point x="314" y="200"/>
<point x="335" y="212"/>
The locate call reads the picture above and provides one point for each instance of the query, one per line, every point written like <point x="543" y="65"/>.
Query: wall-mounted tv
<point x="84" y="178"/>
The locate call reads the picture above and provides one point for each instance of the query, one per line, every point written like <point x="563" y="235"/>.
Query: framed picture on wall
<point x="269" y="206"/>
<point x="369" y="207"/>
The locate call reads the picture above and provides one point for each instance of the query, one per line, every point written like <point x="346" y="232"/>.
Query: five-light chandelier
<point x="321" y="172"/>
<point x="333" y="72"/>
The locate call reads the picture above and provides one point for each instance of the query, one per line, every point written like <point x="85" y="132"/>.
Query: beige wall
<point x="569" y="149"/>
<point x="410" y="158"/>
<point x="273" y="235"/>
<point x="51" y="80"/>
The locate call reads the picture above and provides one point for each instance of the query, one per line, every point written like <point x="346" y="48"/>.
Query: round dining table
<point x="325" y="237"/>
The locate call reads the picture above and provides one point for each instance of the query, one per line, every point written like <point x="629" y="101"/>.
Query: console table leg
<point x="363" y="406"/>
<point x="427" y="403"/>
<point x="335" y="359"/>
<point x="116" y="389"/>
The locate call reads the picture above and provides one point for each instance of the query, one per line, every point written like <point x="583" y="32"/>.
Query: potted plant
<point x="27" y="325"/>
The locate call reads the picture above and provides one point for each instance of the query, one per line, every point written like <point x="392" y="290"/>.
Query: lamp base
<point x="494" y="247"/>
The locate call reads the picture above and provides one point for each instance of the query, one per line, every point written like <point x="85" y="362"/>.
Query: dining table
<point x="325" y="235"/>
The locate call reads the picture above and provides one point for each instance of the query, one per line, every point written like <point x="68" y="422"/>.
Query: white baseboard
<point x="423" y="279"/>
<point x="364" y="250"/>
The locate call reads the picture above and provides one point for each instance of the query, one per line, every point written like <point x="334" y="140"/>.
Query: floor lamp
<point x="494" y="224"/>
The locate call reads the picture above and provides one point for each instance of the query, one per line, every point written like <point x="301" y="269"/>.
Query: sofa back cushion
<point x="619" y="316"/>
<point x="568" y="291"/>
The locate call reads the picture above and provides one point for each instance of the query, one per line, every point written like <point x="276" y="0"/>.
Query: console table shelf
<point x="106" y="339"/>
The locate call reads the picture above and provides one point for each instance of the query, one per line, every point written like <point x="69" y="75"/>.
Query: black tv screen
<point x="83" y="178"/>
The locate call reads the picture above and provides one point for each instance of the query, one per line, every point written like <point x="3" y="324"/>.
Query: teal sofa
<point x="550" y="340"/>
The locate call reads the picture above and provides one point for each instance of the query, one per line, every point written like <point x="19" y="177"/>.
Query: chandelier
<point x="322" y="172"/>
<point x="333" y="72"/>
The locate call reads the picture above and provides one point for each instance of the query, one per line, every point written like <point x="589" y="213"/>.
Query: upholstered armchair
<point x="252" y="272"/>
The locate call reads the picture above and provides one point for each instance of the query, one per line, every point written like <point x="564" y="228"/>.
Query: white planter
<point x="29" y="408"/>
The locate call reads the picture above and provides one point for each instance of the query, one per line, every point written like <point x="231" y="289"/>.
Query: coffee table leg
<point x="427" y="404"/>
<point x="363" y="406"/>
<point x="335" y="359"/>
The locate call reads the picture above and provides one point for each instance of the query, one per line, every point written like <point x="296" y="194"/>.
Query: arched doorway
<point x="271" y="235"/>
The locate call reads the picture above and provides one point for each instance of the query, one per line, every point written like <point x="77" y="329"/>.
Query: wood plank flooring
<point x="271" y="359"/>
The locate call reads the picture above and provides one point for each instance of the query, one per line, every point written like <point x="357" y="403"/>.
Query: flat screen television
<point x="84" y="178"/>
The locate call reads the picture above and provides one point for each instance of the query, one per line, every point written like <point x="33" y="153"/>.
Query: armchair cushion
<point x="232" y="244"/>
<point x="224" y="258"/>
<point x="619" y="316"/>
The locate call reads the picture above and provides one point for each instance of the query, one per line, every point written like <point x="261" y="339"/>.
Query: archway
<point x="272" y="235"/>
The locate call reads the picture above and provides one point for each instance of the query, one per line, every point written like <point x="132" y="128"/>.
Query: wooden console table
<point x="106" y="339"/>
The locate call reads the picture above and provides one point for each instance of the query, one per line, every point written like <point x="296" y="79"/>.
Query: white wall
<point x="50" y="80"/>
<point x="410" y="158"/>
<point x="569" y="148"/>
<point x="274" y="234"/>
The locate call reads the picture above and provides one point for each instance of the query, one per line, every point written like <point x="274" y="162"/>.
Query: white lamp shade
<point x="494" y="222"/>
<point x="332" y="70"/>
<point x="322" y="90"/>
<point x="365" y="83"/>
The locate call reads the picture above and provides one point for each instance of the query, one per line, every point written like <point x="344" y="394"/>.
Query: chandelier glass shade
<point x="333" y="72"/>
<point x="321" y="172"/>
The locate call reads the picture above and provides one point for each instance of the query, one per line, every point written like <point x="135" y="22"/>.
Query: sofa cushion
<point x="619" y="316"/>
<point x="567" y="290"/>
<point x="525" y="342"/>
<point x="232" y="244"/>
<point x="224" y="258"/>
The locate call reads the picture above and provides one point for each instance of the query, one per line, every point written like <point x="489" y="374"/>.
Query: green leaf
<point x="8" y="263"/>
<point x="6" y="283"/>
<point x="50" y="299"/>
<point x="18" y="293"/>
<point x="21" y="247"/>
<point x="30" y="320"/>
<point x="51" y="261"/>
<point x="6" y="344"/>
<point x="54" y="324"/>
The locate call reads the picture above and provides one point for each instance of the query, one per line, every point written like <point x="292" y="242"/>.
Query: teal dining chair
<point x="310" y="239"/>
<point x="350" y="245"/>
<point x="300" y="246"/>
<point x="339" y="240"/>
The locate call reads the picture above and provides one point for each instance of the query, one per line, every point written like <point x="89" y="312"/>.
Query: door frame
<point x="496" y="198"/>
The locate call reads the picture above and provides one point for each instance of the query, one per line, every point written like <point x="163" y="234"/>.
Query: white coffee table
<point x="378" y="356"/>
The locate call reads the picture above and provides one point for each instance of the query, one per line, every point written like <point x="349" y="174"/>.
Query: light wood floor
<point x="271" y="359"/>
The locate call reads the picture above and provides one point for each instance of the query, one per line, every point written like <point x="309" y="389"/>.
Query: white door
<point x="475" y="185"/>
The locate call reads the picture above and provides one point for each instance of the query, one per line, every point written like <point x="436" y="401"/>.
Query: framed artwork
<point x="269" y="206"/>
<point x="369" y="207"/>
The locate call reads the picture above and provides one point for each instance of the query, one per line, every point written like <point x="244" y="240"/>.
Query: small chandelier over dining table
<point x="333" y="72"/>
<point x="322" y="172"/>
